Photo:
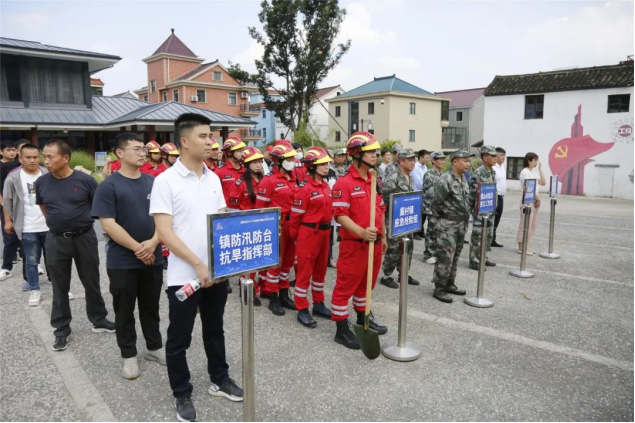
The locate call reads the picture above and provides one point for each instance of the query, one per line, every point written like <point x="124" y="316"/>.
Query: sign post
<point x="404" y="217"/>
<point x="553" y="191"/>
<point x="529" y="197"/>
<point x="240" y="243"/>
<point x="100" y="158"/>
<point x="485" y="207"/>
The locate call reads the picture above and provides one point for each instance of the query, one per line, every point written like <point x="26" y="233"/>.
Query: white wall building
<point x="578" y="121"/>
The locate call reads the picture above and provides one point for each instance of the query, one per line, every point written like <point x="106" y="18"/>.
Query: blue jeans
<point x="33" y="245"/>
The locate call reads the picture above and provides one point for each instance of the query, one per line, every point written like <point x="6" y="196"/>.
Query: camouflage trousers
<point x="449" y="244"/>
<point x="430" y="249"/>
<point x="475" y="241"/>
<point x="392" y="259"/>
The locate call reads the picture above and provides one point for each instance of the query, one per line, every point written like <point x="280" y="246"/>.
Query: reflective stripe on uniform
<point x="293" y="209"/>
<point x="340" y="204"/>
<point x="263" y="198"/>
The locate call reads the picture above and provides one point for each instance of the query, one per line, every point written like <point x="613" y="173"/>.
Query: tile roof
<point x="34" y="45"/>
<point x="323" y="91"/>
<point x="462" y="98"/>
<point x="563" y="80"/>
<point x="194" y="71"/>
<point x="96" y="82"/>
<point x="386" y="84"/>
<point x="173" y="45"/>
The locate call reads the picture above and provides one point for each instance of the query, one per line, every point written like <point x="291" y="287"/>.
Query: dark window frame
<point x="412" y="135"/>
<point x="201" y="98"/>
<point x="371" y="108"/>
<point x="164" y="95"/>
<point x="534" y="106"/>
<point x="338" y="111"/>
<point x="229" y="97"/>
<point x="338" y="136"/>
<point x="413" y="108"/>
<point x="175" y="95"/>
<point x="459" y="114"/>
<point x="620" y="103"/>
<point x="514" y="167"/>
<point x="445" y="111"/>
<point x="153" y="86"/>
<point x="214" y="73"/>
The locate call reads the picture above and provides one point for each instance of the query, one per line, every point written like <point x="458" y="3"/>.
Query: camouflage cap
<point x="340" y="152"/>
<point x="407" y="153"/>
<point x="489" y="150"/>
<point x="459" y="154"/>
<point x="396" y="148"/>
<point x="437" y="155"/>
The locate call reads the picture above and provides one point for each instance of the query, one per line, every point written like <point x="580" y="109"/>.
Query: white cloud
<point x="34" y="21"/>
<point x="358" y="27"/>
<point x="246" y="59"/>
<point x="399" y="62"/>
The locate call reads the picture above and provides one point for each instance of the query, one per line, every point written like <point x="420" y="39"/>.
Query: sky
<point x="435" y="45"/>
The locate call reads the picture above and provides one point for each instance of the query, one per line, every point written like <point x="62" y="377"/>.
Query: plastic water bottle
<point x="188" y="289"/>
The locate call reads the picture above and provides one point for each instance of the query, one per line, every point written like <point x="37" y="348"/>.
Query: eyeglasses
<point x="139" y="151"/>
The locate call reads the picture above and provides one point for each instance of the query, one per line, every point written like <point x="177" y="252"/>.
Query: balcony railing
<point x="251" y="133"/>
<point x="250" y="107"/>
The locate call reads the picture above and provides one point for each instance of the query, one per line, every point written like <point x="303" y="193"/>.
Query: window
<point x="145" y="98"/>
<point x="413" y="109"/>
<point x="10" y="80"/>
<point x="55" y="81"/>
<point x="264" y="113"/>
<point x="264" y="133"/>
<point x="175" y="95"/>
<point x="619" y="103"/>
<point x="338" y="93"/>
<point x="459" y="116"/>
<point x="514" y="167"/>
<point x="232" y="99"/>
<point x="97" y="91"/>
<point x="202" y="97"/>
<point x="533" y="106"/>
<point x="371" y="108"/>
<point x="338" y="111"/>
<point x="153" y="86"/>
<point x="445" y="111"/>
<point x="454" y="138"/>
<point x="411" y="136"/>
<point x="218" y="76"/>
<point x="164" y="95"/>
<point x="338" y="136"/>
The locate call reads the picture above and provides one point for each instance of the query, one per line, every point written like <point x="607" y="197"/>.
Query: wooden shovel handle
<point x="371" y="246"/>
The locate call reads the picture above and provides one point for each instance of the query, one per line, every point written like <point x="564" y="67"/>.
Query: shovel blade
<point x="368" y="341"/>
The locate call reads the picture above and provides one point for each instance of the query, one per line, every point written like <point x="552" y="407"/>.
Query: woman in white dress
<point x="530" y="162"/>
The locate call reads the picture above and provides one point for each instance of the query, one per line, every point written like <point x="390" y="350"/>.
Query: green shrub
<point x="387" y="145"/>
<point x="84" y="159"/>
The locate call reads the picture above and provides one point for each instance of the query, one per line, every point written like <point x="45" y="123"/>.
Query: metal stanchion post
<point x="247" y="311"/>
<point x="522" y="273"/>
<point x="403" y="351"/>
<point x="552" y="223"/>
<point x="479" y="301"/>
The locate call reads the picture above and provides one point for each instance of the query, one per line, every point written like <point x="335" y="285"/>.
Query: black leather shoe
<point x="305" y="318"/>
<point x="496" y="244"/>
<point x="286" y="301"/>
<point x="490" y="263"/>
<point x="257" y="302"/>
<point x="321" y="310"/>
<point x="412" y="281"/>
<point x="380" y="329"/>
<point x="274" y="305"/>
<point x="452" y="289"/>
<point x="229" y="288"/>
<point x="388" y="282"/>
<point x="474" y="265"/>
<point x="345" y="336"/>
<point x="442" y="296"/>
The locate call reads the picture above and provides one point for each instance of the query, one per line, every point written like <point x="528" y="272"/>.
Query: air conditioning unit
<point x="244" y="95"/>
<point x="194" y="98"/>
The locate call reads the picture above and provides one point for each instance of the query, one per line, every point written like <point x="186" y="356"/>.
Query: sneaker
<point x="26" y="287"/>
<point x="388" y="282"/>
<point x="130" y="368"/>
<point x="185" y="411"/>
<point x="227" y="389"/>
<point x="60" y="343"/>
<point x="71" y="296"/>
<point x="5" y="274"/>
<point x="40" y="271"/>
<point x="34" y="298"/>
<point x="431" y="260"/>
<point x="156" y="355"/>
<point x="104" y="326"/>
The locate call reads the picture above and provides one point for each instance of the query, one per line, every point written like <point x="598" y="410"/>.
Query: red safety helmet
<point x="280" y="152"/>
<point x="269" y="148"/>
<point x="170" y="149"/>
<point x="153" y="147"/>
<point x="316" y="156"/>
<point x="251" y="154"/>
<point x="281" y="141"/>
<point x="361" y="141"/>
<point x="215" y="144"/>
<point x="232" y="144"/>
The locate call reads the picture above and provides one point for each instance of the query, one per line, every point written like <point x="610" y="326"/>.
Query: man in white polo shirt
<point x="181" y="199"/>
<point x="501" y="188"/>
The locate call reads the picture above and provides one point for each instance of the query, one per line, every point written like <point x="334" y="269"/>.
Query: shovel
<point x="369" y="339"/>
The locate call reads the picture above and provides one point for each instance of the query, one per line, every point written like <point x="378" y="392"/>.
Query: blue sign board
<point x="405" y="213"/>
<point x="529" y="191"/>
<point x="243" y="242"/>
<point x="553" y="186"/>
<point x="486" y="199"/>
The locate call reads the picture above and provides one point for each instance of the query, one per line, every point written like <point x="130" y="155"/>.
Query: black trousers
<point x="211" y="302"/>
<point x="498" y="215"/>
<point x="129" y="286"/>
<point x="60" y="253"/>
<point x="12" y="246"/>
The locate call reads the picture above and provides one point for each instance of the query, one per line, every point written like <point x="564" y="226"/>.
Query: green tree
<point x="387" y="145"/>
<point x="306" y="137"/>
<point x="299" y="47"/>
<point x="239" y="74"/>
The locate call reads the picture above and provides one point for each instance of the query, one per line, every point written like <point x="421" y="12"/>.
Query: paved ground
<point x="558" y="347"/>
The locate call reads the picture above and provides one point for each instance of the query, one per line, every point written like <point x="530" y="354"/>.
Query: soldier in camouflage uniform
<point x="339" y="165"/>
<point x="394" y="165"/>
<point x="451" y="204"/>
<point x="430" y="178"/>
<point x="397" y="182"/>
<point x="484" y="174"/>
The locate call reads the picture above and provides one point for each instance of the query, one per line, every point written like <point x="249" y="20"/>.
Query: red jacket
<point x="228" y="175"/>
<point x="212" y="164"/>
<point x="152" y="170"/>
<point x="351" y="197"/>
<point x="115" y="166"/>
<point x="275" y="190"/>
<point x="239" y="195"/>
<point x="312" y="203"/>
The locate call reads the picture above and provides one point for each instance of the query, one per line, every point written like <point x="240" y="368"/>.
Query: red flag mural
<point x="569" y="156"/>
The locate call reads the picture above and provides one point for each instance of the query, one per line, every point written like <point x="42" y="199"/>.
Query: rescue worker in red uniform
<point x="230" y="171"/>
<point x="276" y="190"/>
<point x="153" y="165"/>
<point x="351" y="208"/>
<point x="169" y="154"/>
<point x="310" y="227"/>
<point x="242" y="195"/>
<point x="299" y="171"/>
<point x="214" y="161"/>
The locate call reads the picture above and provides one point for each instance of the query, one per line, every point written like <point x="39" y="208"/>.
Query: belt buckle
<point x="66" y="233"/>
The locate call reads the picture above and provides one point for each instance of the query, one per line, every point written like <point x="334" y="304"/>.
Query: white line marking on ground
<point x="495" y="333"/>
<point x="582" y="226"/>
<point x="86" y="396"/>
<point x="573" y="242"/>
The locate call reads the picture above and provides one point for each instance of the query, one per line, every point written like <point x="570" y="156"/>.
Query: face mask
<point x="288" y="166"/>
<point x="299" y="156"/>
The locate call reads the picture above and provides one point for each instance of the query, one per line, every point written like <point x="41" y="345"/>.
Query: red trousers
<point x="278" y="278"/>
<point x="312" y="250"/>
<point x="352" y="264"/>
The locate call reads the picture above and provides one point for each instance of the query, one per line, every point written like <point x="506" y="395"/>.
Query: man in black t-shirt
<point x="134" y="261"/>
<point x="65" y="197"/>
